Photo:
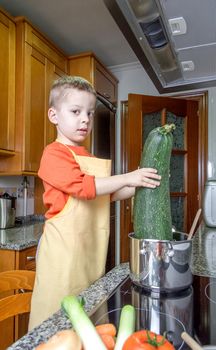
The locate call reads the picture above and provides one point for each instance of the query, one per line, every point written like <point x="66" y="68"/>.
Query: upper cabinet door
<point x="7" y="85"/>
<point x="105" y="83"/>
<point x="34" y="108"/>
<point x="88" y="66"/>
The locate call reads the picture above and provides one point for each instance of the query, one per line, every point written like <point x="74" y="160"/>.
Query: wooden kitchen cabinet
<point x="88" y="66"/>
<point x="15" y="260"/>
<point x="7" y="85"/>
<point x="38" y="63"/>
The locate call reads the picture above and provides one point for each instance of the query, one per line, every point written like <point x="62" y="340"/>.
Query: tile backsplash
<point x="14" y="186"/>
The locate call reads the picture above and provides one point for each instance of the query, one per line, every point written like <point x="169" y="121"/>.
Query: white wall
<point x="133" y="79"/>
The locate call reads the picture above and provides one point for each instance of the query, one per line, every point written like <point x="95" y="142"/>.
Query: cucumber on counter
<point x="152" y="210"/>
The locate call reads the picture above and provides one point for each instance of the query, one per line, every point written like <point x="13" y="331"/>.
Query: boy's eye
<point x="91" y="114"/>
<point x="76" y="111"/>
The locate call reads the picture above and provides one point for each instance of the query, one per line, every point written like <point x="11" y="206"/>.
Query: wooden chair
<point x="21" y="282"/>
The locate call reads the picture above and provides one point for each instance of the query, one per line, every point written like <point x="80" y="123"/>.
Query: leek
<point x="126" y="326"/>
<point x="82" y="323"/>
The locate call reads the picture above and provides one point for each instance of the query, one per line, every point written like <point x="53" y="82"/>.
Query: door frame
<point x="202" y="98"/>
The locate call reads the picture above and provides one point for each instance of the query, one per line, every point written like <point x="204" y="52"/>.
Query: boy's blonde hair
<point x="60" y="86"/>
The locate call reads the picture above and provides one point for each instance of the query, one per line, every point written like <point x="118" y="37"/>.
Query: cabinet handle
<point x="30" y="258"/>
<point x="107" y="95"/>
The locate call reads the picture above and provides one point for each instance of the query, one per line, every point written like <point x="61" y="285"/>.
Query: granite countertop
<point x="203" y="263"/>
<point x="203" y="251"/>
<point x="21" y="237"/>
<point x="95" y="294"/>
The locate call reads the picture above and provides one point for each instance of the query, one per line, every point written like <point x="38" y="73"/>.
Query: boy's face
<point x="73" y="116"/>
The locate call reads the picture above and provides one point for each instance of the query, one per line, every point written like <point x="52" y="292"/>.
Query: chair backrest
<point x="21" y="282"/>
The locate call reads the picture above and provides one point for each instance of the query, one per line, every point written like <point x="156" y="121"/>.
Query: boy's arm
<point x="123" y="193"/>
<point x="144" y="177"/>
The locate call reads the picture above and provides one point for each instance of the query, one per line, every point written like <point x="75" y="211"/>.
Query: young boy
<point x="78" y="189"/>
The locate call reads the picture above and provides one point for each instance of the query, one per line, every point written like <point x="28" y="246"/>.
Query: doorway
<point x="139" y="115"/>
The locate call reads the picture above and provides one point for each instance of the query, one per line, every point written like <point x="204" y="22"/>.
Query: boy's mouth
<point x="83" y="131"/>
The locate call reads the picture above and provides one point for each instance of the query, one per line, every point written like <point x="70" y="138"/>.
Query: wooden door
<point x="35" y="75"/>
<point x="139" y="116"/>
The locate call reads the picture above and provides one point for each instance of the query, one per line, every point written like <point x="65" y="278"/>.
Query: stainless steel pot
<point x="169" y="313"/>
<point x="161" y="265"/>
<point x="7" y="211"/>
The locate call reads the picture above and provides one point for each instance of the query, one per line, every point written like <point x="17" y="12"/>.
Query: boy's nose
<point x="85" y="117"/>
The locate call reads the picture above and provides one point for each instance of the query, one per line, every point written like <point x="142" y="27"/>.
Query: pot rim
<point x="131" y="235"/>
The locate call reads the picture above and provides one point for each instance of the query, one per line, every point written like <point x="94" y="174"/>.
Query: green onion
<point x="126" y="326"/>
<point x="82" y="323"/>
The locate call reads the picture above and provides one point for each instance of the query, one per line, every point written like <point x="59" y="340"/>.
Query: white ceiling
<point x="76" y="26"/>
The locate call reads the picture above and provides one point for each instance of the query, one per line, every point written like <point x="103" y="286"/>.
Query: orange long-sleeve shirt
<point x="62" y="177"/>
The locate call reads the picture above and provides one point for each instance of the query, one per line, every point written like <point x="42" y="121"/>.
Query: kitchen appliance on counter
<point x="192" y="310"/>
<point x="209" y="203"/>
<point x="7" y="211"/>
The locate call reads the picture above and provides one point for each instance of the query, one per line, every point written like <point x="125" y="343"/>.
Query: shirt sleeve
<point x="59" y="169"/>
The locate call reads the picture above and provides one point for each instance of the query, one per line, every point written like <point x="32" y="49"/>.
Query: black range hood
<point x="161" y="34"/>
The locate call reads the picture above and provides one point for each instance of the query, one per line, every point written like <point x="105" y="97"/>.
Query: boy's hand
<point x="144" y="177"/>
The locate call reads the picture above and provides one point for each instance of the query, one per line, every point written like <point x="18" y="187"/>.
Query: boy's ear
<point x="52" y="115"/>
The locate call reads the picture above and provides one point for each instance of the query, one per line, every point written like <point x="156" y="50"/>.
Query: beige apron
<point x="73" y="247"/>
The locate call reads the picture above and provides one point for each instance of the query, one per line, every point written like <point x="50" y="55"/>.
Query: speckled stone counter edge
<point x="21" y="237"/>
<point x="94" y="295"/>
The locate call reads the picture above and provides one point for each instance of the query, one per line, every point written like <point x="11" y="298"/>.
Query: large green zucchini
<point x="152" y="210"/>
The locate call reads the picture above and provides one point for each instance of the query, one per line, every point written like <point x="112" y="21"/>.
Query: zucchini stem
<point x="167" y="128"/>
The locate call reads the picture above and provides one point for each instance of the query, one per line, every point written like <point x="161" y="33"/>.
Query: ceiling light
<point x="178" y="26"/>
<point x="187" y="66"/>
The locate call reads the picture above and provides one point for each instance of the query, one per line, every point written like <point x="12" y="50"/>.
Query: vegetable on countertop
<point x="126" y="325"/>
<point x="106" y="328"/>
<point x="62" y="340"/>
<point x="82" y="324"/>
<point x="107" y="332"/>
<point x="147" y="340"/>
<point x="152" y="211"/>
<point x="108" y="340"/>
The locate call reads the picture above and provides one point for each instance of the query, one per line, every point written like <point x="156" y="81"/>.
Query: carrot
<point x="106" y="328"/>
<point x="108" y="341"/>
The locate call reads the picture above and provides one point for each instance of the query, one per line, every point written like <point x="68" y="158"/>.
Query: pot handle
<point x="143" y="249"/>
<point x="170" y="251"/>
